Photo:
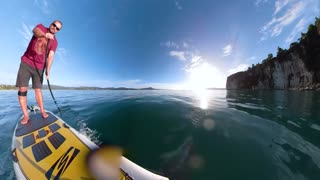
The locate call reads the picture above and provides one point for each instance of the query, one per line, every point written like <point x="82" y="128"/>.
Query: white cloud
<point x="179" y="54"/>
<point x="26" y="33"/>
<point x="311" y="10"/>
<point x="279" y="5"/>
<point x="43" y="5"/>
<point x="201" y="74"/>
<point x="193" y="63"/>
<point x="227" y="50"/>
<point x="298" y="28"/>
<point x="258" y="2"/>
<point x="181" y="51"/>
<point x="239" y="68"/>
<point x="196" y="59"/>
<point x="174" y="45"/>
<point x="178" y="4"/>
<point x="170" y="44"/>
<point x="286" y="13"/>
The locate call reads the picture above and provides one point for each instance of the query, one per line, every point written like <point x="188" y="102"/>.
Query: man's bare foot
<point x="44" y="115"/>
<point x="24" y="120"/>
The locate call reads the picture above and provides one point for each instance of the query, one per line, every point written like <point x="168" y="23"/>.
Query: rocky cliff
<point x="295" y="68"/>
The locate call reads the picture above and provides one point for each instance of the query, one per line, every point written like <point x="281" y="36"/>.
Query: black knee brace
<point x="22" y="93"/>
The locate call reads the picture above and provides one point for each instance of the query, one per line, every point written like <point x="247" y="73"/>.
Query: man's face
<point x="55" y="27"/>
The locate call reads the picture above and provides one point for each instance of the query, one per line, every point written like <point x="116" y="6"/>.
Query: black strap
<point x="22" y="93"/>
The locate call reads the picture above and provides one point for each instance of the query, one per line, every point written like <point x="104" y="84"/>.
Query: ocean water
<point x="214" y="134"/>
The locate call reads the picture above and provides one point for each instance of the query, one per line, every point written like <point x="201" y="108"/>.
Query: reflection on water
<point x="295" y="110"/>
<point x="202" y="96"/>
<point x="299" y="162"/>
<point x="294" y="121"/>
<point x="205" y="100"/>
<point x="209" y="134"/>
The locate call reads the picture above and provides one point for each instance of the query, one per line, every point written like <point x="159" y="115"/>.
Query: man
<point x="33" y="64"/>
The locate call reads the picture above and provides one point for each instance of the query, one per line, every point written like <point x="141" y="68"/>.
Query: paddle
<point x="47" y="53"/>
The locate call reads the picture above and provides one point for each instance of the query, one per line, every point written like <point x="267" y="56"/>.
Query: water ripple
<point x="186" y="135"/>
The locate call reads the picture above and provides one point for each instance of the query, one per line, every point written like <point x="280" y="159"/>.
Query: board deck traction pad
<point x="37" y="149"/>
<point x="33" y="141"/>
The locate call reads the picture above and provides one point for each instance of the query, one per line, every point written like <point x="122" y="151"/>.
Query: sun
<point x="205" y="76"/>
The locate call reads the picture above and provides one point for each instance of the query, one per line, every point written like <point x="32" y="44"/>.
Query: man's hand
<point x="47" y="75"/>
<point x="49" y="36"/>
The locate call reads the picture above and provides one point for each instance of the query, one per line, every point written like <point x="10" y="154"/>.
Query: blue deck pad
<point x="42" y="133"/>
<point x="35" y="123"/>
<point x="54" y="127"/>
<point x="28" y="140"/>
<point x="56" y="140"/>
<point x="40" y="151"/>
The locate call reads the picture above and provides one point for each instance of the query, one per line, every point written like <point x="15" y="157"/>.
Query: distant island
<point x="215" y="88"/>
<point x="12" y="87"/>
<point x="296" y="68"/>
<point x="56" y="87"/>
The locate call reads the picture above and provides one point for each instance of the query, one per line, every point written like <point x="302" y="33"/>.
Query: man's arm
<point x="49" y="63"/>
<point x="39" y="34"/>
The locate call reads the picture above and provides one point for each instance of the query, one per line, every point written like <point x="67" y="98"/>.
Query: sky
<point x="171" y="44"/>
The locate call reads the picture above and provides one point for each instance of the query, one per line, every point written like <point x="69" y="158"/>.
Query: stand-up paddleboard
<point x="48" y="148"/>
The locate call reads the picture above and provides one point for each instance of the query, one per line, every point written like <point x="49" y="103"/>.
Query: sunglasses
<point x="55" y="26"/>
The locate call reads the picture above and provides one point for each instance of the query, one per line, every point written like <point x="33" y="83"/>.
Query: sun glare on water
<point x="201" y="77"/>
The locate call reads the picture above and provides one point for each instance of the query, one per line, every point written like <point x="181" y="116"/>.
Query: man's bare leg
<point x="22" y="97"/>
<point x="39" y="99"/>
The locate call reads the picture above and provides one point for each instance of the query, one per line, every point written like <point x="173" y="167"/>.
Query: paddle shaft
<point x="47" y="53"/>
